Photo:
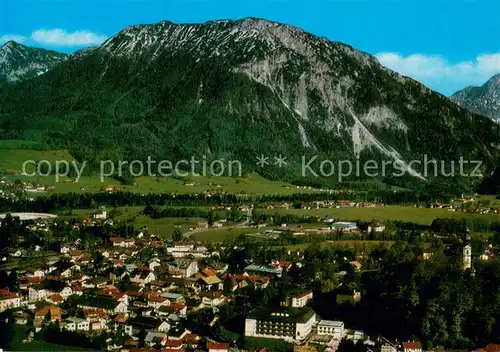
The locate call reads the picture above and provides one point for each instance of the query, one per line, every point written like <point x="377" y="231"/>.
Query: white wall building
<point x="9" y="300"/>
<point x="344" y="226"/>
<point x="293" y="326"/>
<point x="331" y="328"/>
<point x="300" y="300"/>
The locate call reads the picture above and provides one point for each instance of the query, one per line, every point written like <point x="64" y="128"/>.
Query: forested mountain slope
<point x="237" y="89"/>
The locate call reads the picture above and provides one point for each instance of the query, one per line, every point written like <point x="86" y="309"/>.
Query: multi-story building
<point x="301" y="299"/>
<point x="9" y="300"/>
<point x="37" y="293"/>
<point x="75" y="324"/>
<point x="291" y="324"/>
<point x="183" y="268"/>
<point x="331" y="328"/>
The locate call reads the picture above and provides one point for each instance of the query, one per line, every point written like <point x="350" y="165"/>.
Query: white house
<point x="36" y="294"/>
<point x="183" y="268"/>
<point x="66" y="292"/>
<point x="376" y="227"/>
<point x="412" y="346"/>
<point x="122" y="242"/>
<point x="156" y="301"/>
<point x="121" y="308"/>
<point x="35" y="273"/>
<point x="212" y="298"/>
<point x="76" y="324"/>
<point x="102" y="215"/>
<point x="142" y="277"/>
<point x="154" y="263"/>
<point x="9" y="300"/>
<point x="164" y="327"/>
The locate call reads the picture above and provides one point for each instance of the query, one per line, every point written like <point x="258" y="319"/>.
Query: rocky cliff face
<point x="484" y="100"/>
<point x="19" y="62"/>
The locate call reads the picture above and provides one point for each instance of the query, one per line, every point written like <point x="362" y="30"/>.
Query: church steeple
<point x="467" y="257"/>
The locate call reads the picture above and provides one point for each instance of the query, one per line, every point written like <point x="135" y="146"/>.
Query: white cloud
<point x="15" y="37"/>
<point x="438" y="73"/>
<point x="62" y="38"/>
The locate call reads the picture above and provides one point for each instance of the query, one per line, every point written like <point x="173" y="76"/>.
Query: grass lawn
<point x="423" y="216"/>
<point x="37" y="345"/>
<point x="11" y="160"/>
<point x="494" y="202"/>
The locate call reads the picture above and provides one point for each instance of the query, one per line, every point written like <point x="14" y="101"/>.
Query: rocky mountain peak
<point x="19" y="62"/>
<point x="484" y="100"/>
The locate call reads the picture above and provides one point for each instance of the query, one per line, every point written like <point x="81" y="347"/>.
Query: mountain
<point x="239" y="89"/>
<point x="484" y="100"/>
<point x="20" y="62"/>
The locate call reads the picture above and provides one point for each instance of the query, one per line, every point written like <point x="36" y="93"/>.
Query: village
<point x="140" y="292"/>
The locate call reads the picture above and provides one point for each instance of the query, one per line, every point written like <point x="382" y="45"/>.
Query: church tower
<point x="467" y="260"/>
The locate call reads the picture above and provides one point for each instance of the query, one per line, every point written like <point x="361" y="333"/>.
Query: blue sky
<point x="445" y="44"/>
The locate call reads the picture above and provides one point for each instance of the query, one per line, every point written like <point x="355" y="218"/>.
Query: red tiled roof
<point x="190" y="338"/>
<point x="177" y="307"/>
<point x="173" y="343"/>
<point x="217" y="346"/>
<point x="57" y="298"/>
<point x="120" y="319"/>
<point x="55" y="312"/>
<point x="493" y="347"/>
<point x="211" y="294"/>
<point x="6" y="294"/>
<point x="34" y="280"/>
<point x="412" y="345"/>
<point x="156" y="298"/>
<point x="210" y="272"/>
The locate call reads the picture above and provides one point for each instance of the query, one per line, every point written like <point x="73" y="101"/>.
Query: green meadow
<point x="423" y="216"/>
<point x="12" y="159"/>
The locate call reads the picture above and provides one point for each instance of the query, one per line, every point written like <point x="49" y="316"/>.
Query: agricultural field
<point x="11" y="160"/>
<point x="423" y="216"/>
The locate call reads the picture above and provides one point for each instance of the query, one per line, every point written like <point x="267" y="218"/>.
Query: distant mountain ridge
<point x="484" y="100"/>
<point x="19" y="62"/>
<point x="238" y="89"/>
